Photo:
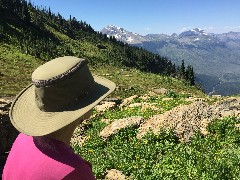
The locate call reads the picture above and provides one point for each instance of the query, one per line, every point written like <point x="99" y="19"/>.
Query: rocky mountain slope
<point x="123" y="35"/>
<point x="215" y="57"/>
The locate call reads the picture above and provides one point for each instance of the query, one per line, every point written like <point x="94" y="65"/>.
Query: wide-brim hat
<point x="62" y="91"/>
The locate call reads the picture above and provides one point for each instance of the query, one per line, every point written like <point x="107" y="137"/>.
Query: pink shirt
<point x="29" y="160"/>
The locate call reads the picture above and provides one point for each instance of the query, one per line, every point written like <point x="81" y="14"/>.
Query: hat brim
<point x="27" y="118"/>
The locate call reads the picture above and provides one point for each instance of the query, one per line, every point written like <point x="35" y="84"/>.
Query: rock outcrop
<point x="128" y="101"/>
<point x="187" y="119"/>
<point x="161" y="91"/>
<point x="105" y="106"/>
<point x="118" y="124"/>
<point x="115" y="174"/>
<point x="145" y="105"/>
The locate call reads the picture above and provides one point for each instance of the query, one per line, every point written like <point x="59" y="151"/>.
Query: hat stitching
<point x="43" y="83"/>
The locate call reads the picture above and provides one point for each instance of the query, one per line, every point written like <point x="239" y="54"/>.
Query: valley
<point x="212" y="55"/>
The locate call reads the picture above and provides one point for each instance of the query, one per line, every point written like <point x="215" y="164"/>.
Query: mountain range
<point x="215" y="57"/>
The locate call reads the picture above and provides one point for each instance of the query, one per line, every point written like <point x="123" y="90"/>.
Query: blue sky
<point x="152" y="16"/>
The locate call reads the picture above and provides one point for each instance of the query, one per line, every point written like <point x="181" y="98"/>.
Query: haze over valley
<point x="215" y="57"/>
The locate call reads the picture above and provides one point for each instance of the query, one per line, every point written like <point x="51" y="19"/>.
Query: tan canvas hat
<point x="62" y="90"/>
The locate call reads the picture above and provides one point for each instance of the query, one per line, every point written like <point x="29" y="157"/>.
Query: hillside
<point x="214" y="57"/>
<point x="31" y="36"/>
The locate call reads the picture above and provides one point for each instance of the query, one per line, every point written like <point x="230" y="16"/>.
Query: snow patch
<point x="130" y="39"/>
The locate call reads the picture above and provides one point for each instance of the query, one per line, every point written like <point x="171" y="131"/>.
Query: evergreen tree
<point x="49" y="13"/>
<point x="187" y="73"/>
<point x="182" y="70"/>
<point x="1" y="29"/>
<point x="25" y="12"/>
<point x="174" y="71"/>
<point x="191" y="77"/>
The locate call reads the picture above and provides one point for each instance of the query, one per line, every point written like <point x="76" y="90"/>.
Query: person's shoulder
<point x="23" y="137"/>
<point x="84" y="172"/>
<point x="22" y="141"/>
<point x="67" y="156"/>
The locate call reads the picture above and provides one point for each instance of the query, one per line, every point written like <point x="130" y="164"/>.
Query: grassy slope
<point x="162" y="156"/>
<point x="16" y="69"/>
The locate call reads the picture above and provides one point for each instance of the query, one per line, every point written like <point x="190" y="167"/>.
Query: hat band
<point x="55" y="79"/>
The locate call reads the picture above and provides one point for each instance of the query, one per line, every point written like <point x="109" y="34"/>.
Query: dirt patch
<point x="193" y="99"/>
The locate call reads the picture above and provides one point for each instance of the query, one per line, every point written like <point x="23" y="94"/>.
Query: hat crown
<point x="55" y="67"/>
<point x="61" y="82"/>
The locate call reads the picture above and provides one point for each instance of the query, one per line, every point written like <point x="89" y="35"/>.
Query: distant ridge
<point x="122" y="35"/>
<point x="215" y="57"/>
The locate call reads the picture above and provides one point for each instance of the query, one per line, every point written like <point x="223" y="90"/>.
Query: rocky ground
<point x="184" y="120"/>
<point x="7" y="132"/>
<point x="187" y="119"/>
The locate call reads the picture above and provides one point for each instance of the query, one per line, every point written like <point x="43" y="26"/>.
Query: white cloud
<point x="210" y="27"/>
<point x="231" y="28"/>
<point x="206" y="28"/>
<point x="185" y="29"/>
<point x="147" y="29"/>
<point x="214" y="29"/>
<point x="224" y="29"/>
<point x="237" y="27"/>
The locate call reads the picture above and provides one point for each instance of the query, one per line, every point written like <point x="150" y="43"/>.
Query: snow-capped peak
<point x="121" y="34"/>
<point x="112" y="26"/>
<point x="193" y="32"/>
